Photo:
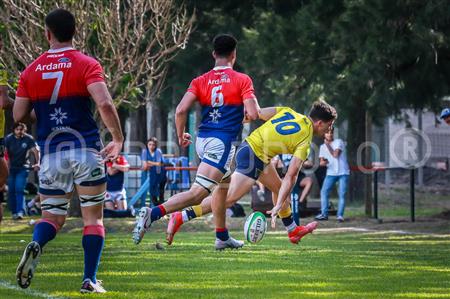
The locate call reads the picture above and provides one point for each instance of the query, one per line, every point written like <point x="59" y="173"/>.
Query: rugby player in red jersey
<point x="225" y="96"/>
<point x="59" y="86"/>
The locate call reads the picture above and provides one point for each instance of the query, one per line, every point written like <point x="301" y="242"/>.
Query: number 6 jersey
<point x="56" y="83"/>
<point x="221" y="93"/>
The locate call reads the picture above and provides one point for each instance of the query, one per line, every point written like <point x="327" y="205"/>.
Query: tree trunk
<point x="137" y="130"/>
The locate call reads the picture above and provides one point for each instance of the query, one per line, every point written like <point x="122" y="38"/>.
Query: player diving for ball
<point x="225" y="96"/>
<point x="284" y="132"/>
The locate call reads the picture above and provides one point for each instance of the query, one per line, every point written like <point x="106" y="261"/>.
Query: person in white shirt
<point x="333" y="155"/>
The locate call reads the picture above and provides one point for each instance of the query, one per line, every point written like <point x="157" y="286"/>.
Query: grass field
<point x="328" y="264"/>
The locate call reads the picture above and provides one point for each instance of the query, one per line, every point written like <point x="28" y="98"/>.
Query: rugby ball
<point x="255" y="227"/>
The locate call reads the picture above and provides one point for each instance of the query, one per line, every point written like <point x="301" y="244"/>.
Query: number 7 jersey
<point x="287" y="132"/>
<point x="56" y="83"/>
<point x="221" y="93"/>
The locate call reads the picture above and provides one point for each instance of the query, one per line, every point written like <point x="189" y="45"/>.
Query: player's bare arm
<point x="181" y="114"/>
<point x="22" y="109"/>
<point x="37" y="158"/>
<point x="100" y="94"/>
<point x="286" y="186"/>
<point x="5" y="101"/>
<point x="252" y="109"/>
<point x="267" y="113"/>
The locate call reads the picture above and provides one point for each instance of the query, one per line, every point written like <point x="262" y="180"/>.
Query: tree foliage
<point x="133" y="39"/>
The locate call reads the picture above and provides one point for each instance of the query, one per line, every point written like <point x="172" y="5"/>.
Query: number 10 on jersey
<point x="285" y="126"/>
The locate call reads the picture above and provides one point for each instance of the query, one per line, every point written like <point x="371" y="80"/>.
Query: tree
<point x="370" y="58"/>
<point x="133" y="39"/>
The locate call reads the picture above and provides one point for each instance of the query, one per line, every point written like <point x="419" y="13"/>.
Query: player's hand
<point x="274" y="214"/>
<point x="246" y="118"/>
<point x="111" y="151"/>
<point x="185" y="140"/>
<point x="36" y="167"/>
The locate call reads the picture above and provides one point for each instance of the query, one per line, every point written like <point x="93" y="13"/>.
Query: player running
<point x="58" y="86"/>
<point x="284" y="132"/>
<point x="224" y="95"/>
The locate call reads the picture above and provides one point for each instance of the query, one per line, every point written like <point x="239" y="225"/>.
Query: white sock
<point x="291" y="227"/>
<point x="184" y="216"/>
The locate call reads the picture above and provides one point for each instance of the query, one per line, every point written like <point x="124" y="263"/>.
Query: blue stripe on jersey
<point x="68" y="123"/>
<point x="226" y="119"/>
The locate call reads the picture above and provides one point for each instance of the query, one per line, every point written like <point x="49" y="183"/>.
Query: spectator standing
<point x="153" y="162"/>
<point x="18" y="146"/>
<point x="333" y="154"/>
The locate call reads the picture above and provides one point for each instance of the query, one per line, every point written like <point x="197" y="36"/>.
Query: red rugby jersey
<point x="221" y="93"/>
<point x="56" y="83"/>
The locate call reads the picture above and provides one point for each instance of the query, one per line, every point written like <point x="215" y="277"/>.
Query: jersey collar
<point x="220" y="68"/>
<point x="60" y="50"/>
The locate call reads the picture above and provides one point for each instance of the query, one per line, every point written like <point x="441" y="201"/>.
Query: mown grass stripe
<point x="30" y="292"/>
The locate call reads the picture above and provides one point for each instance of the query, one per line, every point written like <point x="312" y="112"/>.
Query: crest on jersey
<point x="58" y="116"/>
<point x="64" y="60"/>
<point x="215" y="115"/>
<point x="224" y="78"/>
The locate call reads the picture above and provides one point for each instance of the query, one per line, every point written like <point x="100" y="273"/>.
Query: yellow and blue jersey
<point x="287" y="132"/>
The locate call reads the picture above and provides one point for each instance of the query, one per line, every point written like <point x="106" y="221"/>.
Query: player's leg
<point x="248" y="168"/>
<point x="212" y="152"/>
<point x="342" y="191"/>
<point x="239" y="186"/>
<point x="55" y="188"/>
<point x="306" y="184"/>
<point x="90" y="182"/>
<point x="271" y="180"/>
<point x="91" y="199"/>
<point x="205" y="182"/>
<point x="328" y="184"/>
<point x="54" y="212"/>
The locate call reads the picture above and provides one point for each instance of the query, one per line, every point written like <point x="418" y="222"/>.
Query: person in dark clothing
<point x="153" y="162"/>
<point x="18" y="146"/>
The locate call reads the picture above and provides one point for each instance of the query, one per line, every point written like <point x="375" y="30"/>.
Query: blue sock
<point x="288" y="220"/>
<point x="222" y="234"/>
<point x="157" y="213"/>
<point x="44" y="232"/>
<point x="93" y="240"/>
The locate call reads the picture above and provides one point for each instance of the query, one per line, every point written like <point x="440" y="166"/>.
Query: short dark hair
<point x="19" y="124"/>
<point x="321" y="110"/>
<point x="61" y="23"/>
<point x="153" y="139"/>
<point x="224" y="44"/>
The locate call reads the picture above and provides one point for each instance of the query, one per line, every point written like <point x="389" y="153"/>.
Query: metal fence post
<point x="412" y="194"/>
<point x="375" y="194"/>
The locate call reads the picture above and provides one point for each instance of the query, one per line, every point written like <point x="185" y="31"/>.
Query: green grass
<point x="325" y="265"/>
